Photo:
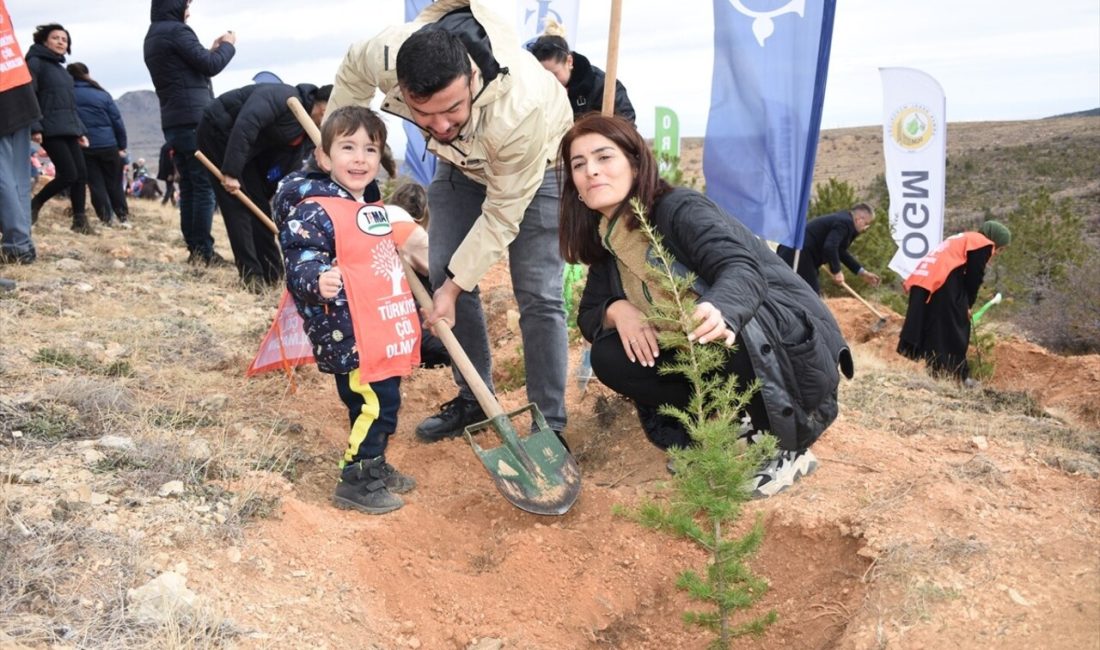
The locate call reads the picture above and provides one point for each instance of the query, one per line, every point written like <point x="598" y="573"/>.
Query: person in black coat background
<point x="106" y="146"/>
<point x="785" y="336"/>
<point x="181" y="69"/>
<point x="827" y="240"/>
<point x="60" y="131"/>
<point x="253" y="137"/>
<point x="583" y="81"/>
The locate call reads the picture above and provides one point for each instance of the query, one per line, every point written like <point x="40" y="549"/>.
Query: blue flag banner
<point x="770" y="66"/>
<point x="419" y="162"/>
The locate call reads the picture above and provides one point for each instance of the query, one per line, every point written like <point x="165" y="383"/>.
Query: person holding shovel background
<point x="343" y="271"/>
<point x="827" y="240"/>
<point x="494" y="117"/>
<point x="254" y="138"/>
<point x="748" y="299"/>
<point x="942" y="290"/>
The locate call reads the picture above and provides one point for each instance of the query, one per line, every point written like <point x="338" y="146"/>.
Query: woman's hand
<point x="330" y="282"/>
<point x="638" y="337"/>
<point x="712" y="327"/>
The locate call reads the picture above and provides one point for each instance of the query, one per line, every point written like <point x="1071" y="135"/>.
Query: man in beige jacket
<point x="494" y="117"/>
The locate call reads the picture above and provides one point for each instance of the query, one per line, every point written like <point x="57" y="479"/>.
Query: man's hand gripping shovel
<point x="536" y="473"/>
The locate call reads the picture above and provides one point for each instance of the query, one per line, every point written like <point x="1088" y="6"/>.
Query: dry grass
<point x="906" y="404"/>
<point x="115" y="335"/>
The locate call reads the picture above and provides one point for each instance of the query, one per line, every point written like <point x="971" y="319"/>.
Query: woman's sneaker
<point x="362" y="487"/>
<point x="782" y="472"/>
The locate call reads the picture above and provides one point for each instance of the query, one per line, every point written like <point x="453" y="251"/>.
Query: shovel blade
<point x="535" y="473"/>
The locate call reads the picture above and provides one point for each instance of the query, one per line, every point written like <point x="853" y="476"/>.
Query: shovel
<point x="996" y="300"/>
<point x="881" y="319"/>
<point x="536" y="473"/>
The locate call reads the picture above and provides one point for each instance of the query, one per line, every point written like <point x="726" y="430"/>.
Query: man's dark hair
<point x="863" y="207"/>
<point x="42" y="32"/>
<point x="323" y="93"/>
<point x="429" y="61"/>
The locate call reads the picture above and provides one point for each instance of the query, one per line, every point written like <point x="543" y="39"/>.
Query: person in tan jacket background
<point x="494" y="117"/>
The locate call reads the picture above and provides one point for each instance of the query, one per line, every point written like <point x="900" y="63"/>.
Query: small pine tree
<point x="668" y="166"/>
<point x="711" y="476"/>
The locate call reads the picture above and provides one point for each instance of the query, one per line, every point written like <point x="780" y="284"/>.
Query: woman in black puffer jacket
<point x="785" y="336"/>
<point x="583" y="81"/>
<point x="60" y="131"/>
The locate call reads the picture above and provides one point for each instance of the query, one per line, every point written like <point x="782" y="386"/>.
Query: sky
<point x="996" y="59"/>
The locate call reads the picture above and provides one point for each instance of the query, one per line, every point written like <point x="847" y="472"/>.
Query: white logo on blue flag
<point x="762" y="25"/>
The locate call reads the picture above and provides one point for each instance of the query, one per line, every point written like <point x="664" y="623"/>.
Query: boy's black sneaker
<point x="362" y="487"/>
<point x="452" y="419"/>
<point x="396" y="481"/>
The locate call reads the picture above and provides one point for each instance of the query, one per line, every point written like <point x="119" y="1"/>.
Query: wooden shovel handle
<point x="484" y="396"/>
<point x="264" y="219"/>
<point x="305" y="120"/>
<point x="860" y="298"/>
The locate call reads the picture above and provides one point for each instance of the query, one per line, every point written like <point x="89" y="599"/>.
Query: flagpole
<point x="611" y="74"/>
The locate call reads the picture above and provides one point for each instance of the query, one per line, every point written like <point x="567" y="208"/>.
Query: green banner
<point x="666" y="138"/>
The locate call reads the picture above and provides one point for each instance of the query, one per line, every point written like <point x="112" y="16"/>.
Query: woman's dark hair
<point x="42" y="32"/>
<point x="578" y="231"/>
<point x="79" y="71"/>
<point x="547" y="47"/>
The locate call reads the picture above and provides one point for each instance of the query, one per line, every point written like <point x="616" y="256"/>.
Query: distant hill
<point x="141" y="112"/>
<point x="1092" y="112"/>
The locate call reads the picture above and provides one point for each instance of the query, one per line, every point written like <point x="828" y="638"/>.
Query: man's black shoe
<point x="452" y="419"/>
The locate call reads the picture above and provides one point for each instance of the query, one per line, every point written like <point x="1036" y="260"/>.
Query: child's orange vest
<point x="383" y="312"/>
<point x="933" y="270"/>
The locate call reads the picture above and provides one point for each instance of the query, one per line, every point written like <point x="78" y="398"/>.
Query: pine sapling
<point x="712" y="476"/>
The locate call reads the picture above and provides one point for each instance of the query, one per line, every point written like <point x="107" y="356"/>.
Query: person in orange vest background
<point x="942" y="290"/>
<point x="18" y="111"/>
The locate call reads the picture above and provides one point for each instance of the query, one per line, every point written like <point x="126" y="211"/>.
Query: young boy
<point x="345" y="276"/>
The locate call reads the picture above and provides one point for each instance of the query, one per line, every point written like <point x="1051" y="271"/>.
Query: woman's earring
<point x="580" y="197"/>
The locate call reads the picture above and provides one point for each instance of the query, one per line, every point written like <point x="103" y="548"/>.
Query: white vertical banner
<point x="531" y="17"/>
<point x="914" y="140"/>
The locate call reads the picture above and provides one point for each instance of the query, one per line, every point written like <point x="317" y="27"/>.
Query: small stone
<point x="171" y="488"/>
<point x="214" y="403"/>
<point x="233" y="554"/>
<point x="69" y="264"/>
<point x="118" y="264"/>
<point x="1017" y="598"/>
<point x="199" y="449"/>
<point x="122" y="443"/>
<point x="33" y="476"/>
<point x="980" y="442"/>
<point x="91" y="456"/>
<point x="97" y="499"/>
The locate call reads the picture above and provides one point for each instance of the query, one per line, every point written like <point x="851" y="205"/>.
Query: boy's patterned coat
<point x="309" y="248"/>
